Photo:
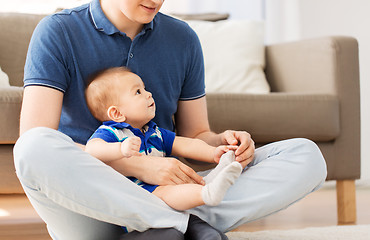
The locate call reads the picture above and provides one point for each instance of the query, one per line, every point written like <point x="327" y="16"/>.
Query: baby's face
<point x="136" y="103"/>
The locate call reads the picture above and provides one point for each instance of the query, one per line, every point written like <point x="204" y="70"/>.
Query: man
<point x="81" y="198"/>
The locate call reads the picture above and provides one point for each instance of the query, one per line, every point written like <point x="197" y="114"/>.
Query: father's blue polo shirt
<point x="69" y="46"/>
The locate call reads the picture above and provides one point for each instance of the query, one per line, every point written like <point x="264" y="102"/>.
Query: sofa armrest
<point x="323" y="65"/>
<point x="328" y="65"/>
<point x="10" y="107"/>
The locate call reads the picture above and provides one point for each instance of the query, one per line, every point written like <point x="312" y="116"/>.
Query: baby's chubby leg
<point x="180" y="197"/>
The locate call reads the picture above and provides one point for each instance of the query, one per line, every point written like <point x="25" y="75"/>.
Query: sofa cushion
<point x="10" y="105"/>
<point x="4" y="79"/>
<point x="233" y="55"/>
<point x="276" y="116"/>
<point x="16" y="31"/>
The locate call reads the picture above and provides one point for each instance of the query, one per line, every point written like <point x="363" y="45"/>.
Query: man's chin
<point x="146" y="18"/>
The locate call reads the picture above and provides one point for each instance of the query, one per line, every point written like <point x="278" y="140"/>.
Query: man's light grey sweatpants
<point x="79" y="197"/>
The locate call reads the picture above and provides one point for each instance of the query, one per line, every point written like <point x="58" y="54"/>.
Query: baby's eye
<point x="138" y="91"/>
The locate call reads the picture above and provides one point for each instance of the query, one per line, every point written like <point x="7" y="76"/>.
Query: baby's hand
<point x="131" y="147"/>
<point x="220" y="150"/>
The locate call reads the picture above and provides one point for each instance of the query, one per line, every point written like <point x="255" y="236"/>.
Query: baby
<point x="117" y="97"/>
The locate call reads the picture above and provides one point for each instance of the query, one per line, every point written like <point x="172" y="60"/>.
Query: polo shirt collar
<point x="101" y="22"/>
<point x="149" y="126"/>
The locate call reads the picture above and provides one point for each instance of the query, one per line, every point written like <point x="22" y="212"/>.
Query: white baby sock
<point x="214" y="192"/>
<point x="225" y="160"/>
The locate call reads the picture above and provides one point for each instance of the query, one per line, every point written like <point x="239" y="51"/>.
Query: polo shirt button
<point x="150" y="150"/>
<point x="131" y="55"/>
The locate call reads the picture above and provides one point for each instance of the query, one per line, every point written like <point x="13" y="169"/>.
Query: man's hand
<point x="245" y="151"/>
<point x="157" y="170"/>
<point x="170" y="171"/>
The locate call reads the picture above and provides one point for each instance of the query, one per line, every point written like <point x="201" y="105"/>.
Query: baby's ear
<point x="115" y="114"/>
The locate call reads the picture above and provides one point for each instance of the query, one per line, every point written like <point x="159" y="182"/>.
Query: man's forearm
<point x="156" y="170"/>
<point x="133" y="166"/>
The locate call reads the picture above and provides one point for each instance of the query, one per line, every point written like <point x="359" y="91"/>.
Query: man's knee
<point x="315" y="160"/>
<point x="32" y="149"/>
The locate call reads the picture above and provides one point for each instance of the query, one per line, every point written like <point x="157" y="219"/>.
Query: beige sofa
<point x="315" y="94"/>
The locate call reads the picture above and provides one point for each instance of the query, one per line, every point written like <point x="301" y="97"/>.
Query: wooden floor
<point x="316" y="210"/>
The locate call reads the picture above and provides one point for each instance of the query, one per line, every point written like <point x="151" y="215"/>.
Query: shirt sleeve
<point x="194" y="85"/>
<point x="48" y="59"/>
<point x="168" y="139"/>
<point x="105" y="133"/>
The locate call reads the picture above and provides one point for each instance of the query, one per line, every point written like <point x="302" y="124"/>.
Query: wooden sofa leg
<point x="346" y="202"/>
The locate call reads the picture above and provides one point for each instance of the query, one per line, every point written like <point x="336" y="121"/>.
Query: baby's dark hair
<point x="99" y="92"/>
